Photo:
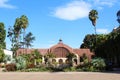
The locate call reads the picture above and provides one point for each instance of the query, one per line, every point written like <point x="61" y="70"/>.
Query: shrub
<point x="10" y="67"/>
<point x="20" y="63"/>
<point x="98" y="64"/>
<point x="7" y="58"/>
<point x="42" y="69"/>
<point x="31" y="66"/>
<point x="2" y="55"/>
<point x="69" y="69"/>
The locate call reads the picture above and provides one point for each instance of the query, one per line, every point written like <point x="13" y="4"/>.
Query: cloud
<point x="102" y="3"/>
<point x="4" y="4"/>
<point x="102" y="31"/>
<point x="73" y="10"/>
<point x="78" y="9"/>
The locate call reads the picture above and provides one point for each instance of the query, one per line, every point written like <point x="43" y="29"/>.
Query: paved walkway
<point x="58" y="76"/>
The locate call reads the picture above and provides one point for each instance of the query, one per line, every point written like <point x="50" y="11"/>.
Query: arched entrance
<point x="60" y="61"/>
<point x="67" y="61"/>
<point x="75" y="61"/>
<point x="53" y="61"/>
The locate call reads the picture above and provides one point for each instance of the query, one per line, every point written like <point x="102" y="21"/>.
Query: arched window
<point x="53" y="60"/>
<point x="60" y="61"/>
<point x="61" y="52"/>
<point x="75" y="60"/>
<point x="66" y="61"/>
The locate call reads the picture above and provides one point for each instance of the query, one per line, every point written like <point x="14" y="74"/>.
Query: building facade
<point x="61" y="50"/>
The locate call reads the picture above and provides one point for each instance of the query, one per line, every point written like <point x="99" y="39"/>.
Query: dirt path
<point x="58" y="76"/>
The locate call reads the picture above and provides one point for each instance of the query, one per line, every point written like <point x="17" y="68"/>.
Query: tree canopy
<point x="2" y="35"/>
<point x="15" y="33"/>
<point x="93" y="15"/>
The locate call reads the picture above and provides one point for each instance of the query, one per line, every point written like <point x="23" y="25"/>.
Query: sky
<point x="51" y="20"/>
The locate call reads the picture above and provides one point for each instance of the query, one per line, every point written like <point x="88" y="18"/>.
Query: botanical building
<point x="60" y="51"/>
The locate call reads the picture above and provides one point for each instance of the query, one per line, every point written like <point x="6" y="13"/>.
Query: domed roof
<point x="61" y="44"/>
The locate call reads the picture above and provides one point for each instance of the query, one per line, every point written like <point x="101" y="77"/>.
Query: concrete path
<point x="58" y="76"/>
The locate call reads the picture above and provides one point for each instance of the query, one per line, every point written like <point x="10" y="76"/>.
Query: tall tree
<point x="2" y="55"/>
<point x="89" y="42"/>
<point x="93" y="16"/>
<point x="13" y="38"/>
<point x="15" y="33"/>
<point x="2" y="41"/>
<point x="24" y="25"/>
<point x="2" y="35"/>
<point x="29" y="38"/>
<point x="109" y="48"/>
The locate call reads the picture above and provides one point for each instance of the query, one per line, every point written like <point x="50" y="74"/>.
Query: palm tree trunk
<point x="95" y="37"/>
<point x="95" y="30"/>
<point x="24" y="51"/>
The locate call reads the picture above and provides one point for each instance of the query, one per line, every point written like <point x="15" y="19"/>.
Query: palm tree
<point x="24" y="25"/>
<point x="17" y="29"/>
<point x="93" y="15"/>
<point x="15" y="33"/>
<point x="29" y="38"/>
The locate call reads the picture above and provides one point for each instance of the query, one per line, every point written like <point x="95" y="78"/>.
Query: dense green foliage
<point x="2" y="36"/>
<point x="7" y="58"/>
<point x="110" y="49"/>
<point x="2" y="55"/>
<point x="89" y="42"/>
<point x="2" y="41"/>
<point x="98" y="63"/>
<point x="107" y="46"/>
<point x="15" y="33"/>
<point x="69" y="57"/>
<point x="20" y="63"/>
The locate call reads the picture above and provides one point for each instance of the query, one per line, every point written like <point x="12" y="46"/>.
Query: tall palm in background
<point x="17" y="29"/>
<point x="24" y="25"/>
<point x="93" y="16"/>
<point x="29" y="38"/>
